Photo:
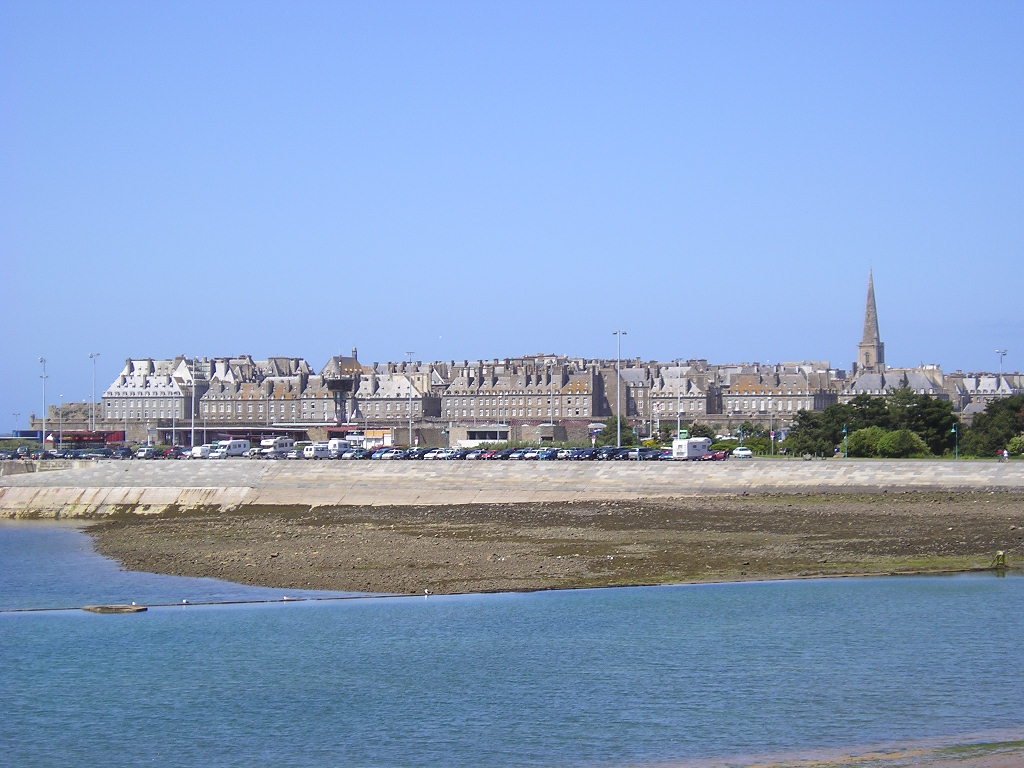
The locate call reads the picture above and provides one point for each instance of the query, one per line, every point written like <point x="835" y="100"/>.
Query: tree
<point x="820" y="433"/>
<point x="702" y="430"/>
<point x="1016" y="446"/>
<point x="1002" y="420"/>
<point x="901" y="444"/>
<point x="928" y="417"/>
<point x="864" y="442"/>
<point x="868" y="411"/>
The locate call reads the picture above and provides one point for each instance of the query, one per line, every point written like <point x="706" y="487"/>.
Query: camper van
<point x="275" y="447"/>
<point x="691" y="449"/>
<point x="316" y="451"/>
<point x="336" y="447"/>
<point x="224" y="449"/>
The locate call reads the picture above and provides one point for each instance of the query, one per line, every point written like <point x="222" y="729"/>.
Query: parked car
<point x="548" y="454"/>
<point x="356" y="453"/>
<point x="715" y="456"/>
<point x="149" y="452"/>
<point x="415" y="453"/>
<point x="742" y="453"/>
<point x="99" y="453"/>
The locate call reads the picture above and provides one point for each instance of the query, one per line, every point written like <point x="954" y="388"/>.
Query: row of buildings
<point x="533" y="398"/>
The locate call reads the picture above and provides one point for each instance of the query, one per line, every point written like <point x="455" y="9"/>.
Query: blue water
<point x="642" y="676"/>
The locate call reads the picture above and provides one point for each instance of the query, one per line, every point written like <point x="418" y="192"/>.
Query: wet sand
<point x="568" y="545"/>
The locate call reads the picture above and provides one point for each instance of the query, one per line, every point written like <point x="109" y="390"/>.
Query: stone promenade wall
<point x="100" y="488"/>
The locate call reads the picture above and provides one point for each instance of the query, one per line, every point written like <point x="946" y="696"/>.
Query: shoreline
<point x="484" y="548"/>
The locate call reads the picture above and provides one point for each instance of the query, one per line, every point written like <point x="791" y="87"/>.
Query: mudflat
<point x="566" y="545"/>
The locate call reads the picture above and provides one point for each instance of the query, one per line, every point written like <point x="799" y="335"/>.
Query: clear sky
<point x="477" y="179"/>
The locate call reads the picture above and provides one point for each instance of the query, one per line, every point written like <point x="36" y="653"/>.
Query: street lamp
<point x="44" y="377"/>
<point x="408" y="375"/>
<point x="618" y="387"/>
<point x="956" y="437"/>
<point x="1002" y="354"/>
<point x="92" y="412"/>
<point x="60" y="424"/>
<point x="679" y="401"/>
<point x="17" y="416"/>
<point x="192" y="437"/>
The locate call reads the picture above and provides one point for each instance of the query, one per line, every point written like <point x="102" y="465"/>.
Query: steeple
<point x="871" y="350"/>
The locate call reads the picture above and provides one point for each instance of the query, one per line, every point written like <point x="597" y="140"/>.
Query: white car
<point x="742" y="453"/>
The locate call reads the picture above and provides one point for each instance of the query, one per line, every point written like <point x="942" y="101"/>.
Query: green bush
<point x="901" y="444"/>
<point x="1016" y="446"/>
<point x="864" y="442"/>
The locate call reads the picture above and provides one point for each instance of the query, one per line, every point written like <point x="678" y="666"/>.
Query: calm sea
<point x="621" y="677"/>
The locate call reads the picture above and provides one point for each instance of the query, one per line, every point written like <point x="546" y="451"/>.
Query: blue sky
<point x="483" y="179"/>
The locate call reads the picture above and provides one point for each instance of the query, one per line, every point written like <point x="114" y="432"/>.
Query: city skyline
<point x="468" y="182"/>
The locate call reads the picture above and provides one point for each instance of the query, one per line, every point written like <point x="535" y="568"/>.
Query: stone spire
<point x="871" y="350"/>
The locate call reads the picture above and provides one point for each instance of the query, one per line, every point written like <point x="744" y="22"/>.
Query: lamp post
<point x="17" y="416"/>
<point x="44" y="377"/>
<point x="1002" y="354"/>
<point x="408" y="375"/>
<point x="192" y="437"/>
<point x="60" y="424"/>
<point x="92" y="405"/>
<point x="956" y="438"/>
<point x="679" y="402"/>
<point x="846" y="444"/>
<point x="618" y="387"/>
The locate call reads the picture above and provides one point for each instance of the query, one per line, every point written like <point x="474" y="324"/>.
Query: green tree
<point x="864" y="442"/>
<point x="1016" y="446"/>
<point x="901" y="444"/>
<point x="868" y="411"/>
<point x="818" y="433"/>
<point x="702" y="430"/>
<point x="1002" y="420"/>
<point x="928" y="417"/>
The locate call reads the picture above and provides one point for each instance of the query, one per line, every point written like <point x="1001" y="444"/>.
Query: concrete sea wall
<point x="107" y="487"/>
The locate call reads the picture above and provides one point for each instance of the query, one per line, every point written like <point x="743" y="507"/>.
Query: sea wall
<point x="110" y="487"/>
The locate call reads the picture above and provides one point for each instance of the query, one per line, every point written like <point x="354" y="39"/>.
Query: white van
<point x="223" y="449"/>
<point x="316" y="451"/>
<point x="201" y="451"/>
<point x="337" y="446"/>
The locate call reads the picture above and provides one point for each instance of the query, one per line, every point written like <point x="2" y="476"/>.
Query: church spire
<point x="871" y="350"/>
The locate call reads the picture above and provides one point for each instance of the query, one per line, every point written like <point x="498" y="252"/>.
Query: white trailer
<point x="691" y="448"/>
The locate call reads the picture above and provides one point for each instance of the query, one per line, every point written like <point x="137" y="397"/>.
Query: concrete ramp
<point x="136" y="487"/>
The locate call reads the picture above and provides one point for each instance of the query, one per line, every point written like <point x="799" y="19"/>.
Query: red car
<point x="716" y="456"/>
